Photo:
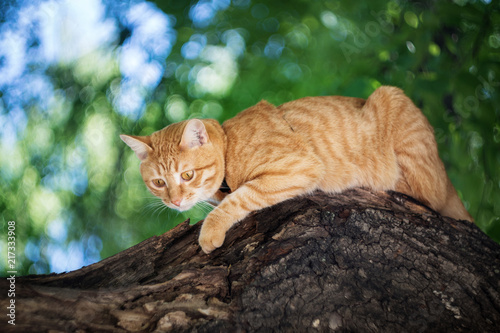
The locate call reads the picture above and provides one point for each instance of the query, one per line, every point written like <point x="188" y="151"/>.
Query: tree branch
<point x="355" y="261"/>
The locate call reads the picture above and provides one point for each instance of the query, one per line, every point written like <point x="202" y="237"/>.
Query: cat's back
<point x="303" y="129"/>
<point x="315" y="111"/>
<point x="330" y="105"/>
<point x="294" y="123"/>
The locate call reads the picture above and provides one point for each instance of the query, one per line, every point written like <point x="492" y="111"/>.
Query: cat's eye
<point x="158" y="182"/>
<point x="187" y="175"/>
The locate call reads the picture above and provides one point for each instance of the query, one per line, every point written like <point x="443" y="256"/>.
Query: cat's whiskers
<point x="155" y="207"/>
<point x="204" y="206"/>
<point x="160" y="209"/>
<point x="153" y="203"/>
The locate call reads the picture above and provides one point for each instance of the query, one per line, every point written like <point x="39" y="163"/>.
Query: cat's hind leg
<point x="422" y="173"/>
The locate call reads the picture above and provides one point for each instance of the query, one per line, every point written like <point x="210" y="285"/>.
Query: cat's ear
<point x="141" y="145"/>
<point x="194" y="135"/>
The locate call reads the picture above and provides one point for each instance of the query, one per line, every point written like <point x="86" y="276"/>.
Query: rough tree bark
<point x="356" y="261"/>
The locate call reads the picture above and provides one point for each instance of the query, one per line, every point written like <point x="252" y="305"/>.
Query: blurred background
<point x="76" y="74"/>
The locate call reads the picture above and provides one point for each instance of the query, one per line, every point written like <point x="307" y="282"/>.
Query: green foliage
<point x="74" y="188"/>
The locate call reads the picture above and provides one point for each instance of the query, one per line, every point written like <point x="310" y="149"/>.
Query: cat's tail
<point x="453" y="206"/>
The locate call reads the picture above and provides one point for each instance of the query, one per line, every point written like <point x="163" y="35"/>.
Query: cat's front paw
<point x="211" y="236"/>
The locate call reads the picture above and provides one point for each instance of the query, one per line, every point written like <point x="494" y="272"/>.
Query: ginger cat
<point x="269" y="154"/>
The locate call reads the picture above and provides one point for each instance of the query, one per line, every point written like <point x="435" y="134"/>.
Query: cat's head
<point x="183" y="163"/>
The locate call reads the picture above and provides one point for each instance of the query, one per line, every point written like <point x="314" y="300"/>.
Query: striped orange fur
<point x="269" y="154"/>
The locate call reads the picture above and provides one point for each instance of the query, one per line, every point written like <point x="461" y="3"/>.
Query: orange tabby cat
<point x="269" y="154"/>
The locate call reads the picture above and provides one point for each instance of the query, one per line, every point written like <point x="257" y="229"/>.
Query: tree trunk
<point x="355" y="261"/>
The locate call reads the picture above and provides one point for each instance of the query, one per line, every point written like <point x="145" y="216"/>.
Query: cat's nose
<point x="177" y="202"/>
